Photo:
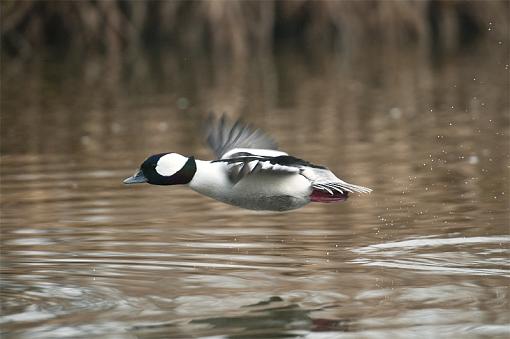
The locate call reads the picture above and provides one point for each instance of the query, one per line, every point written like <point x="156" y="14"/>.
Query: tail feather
<point x="351" y="187"/>
<point x="340" y="187"/>
<point x="323" y="179"/>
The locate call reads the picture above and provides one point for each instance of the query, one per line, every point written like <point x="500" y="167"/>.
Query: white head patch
<point x="170" y="164"/>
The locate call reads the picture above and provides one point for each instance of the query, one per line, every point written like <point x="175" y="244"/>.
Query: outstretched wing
<point x="223" y="137"/>
<point x="247" y="150"/>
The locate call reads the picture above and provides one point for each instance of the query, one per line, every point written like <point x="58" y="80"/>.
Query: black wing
<point x="223" y="137"/>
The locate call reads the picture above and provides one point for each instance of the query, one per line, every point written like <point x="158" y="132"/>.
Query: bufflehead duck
<point x="249" y="172"/>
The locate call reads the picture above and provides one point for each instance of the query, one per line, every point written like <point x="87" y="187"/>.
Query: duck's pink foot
<point x="321" y="196"/>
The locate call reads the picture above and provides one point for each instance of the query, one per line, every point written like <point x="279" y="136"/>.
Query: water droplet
<point x="85" y="140"/>
<point x="473" y="160"/>
<point x="116" y="128"/>
<point x="182" y="103"/>
<point x="395" y="113"/>
<point x="162" y="126"/>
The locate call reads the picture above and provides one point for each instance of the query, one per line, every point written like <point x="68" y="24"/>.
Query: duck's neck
<point x="210" y="178"/>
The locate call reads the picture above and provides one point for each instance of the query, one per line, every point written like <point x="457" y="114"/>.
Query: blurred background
<point x="92" y="61"/>
<point x="410" y="98"/>
<point x="239" y="29"/>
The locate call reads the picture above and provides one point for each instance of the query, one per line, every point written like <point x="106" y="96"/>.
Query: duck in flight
<point x="249" y="172"/>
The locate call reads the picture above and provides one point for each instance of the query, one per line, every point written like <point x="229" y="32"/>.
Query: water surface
<point x="426" y="254"/>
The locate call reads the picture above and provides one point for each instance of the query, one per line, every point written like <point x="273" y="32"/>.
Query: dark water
<point x="426" y="254"/>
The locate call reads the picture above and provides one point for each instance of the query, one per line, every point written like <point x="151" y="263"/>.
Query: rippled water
<point x="426" y="254"/>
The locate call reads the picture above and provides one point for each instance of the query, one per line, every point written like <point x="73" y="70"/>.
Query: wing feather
<point x="239" y="167"/>
<point x="223" y="137"/>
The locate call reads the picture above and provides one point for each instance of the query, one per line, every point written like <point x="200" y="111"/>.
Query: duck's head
<point x="165" y="169"/>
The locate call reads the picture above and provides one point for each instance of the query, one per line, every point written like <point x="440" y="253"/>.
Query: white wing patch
<point x="170" y="164"/>
<point x="252" y="152"/>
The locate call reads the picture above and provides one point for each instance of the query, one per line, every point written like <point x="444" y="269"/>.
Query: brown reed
<point x="232" y="28"/>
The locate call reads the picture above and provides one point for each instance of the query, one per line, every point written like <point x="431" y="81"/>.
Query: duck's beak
<point x="137" y="178"/>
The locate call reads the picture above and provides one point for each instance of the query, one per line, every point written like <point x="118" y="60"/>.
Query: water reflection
<point x="82" y="255"/>
<point x="462" y="255"/>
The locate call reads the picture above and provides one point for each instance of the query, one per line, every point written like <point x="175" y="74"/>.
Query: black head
<point x="165" y="169"/>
